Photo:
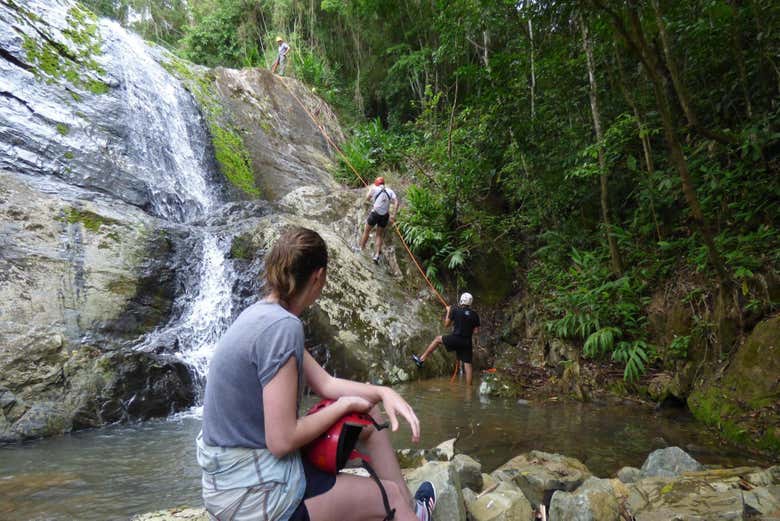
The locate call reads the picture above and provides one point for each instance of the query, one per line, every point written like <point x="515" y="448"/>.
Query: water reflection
<point x="119" y="471"/>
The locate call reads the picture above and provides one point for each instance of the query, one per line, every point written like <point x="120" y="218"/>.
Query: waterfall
<point x="167" y="138"/>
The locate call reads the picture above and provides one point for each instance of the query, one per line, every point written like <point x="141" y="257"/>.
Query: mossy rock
<point x="744" y="403"/>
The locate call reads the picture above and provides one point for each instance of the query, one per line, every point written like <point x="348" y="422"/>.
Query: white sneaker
<point x="375" y="258"/>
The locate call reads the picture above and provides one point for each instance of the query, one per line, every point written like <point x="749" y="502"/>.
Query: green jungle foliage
<point x="594" y="192"/>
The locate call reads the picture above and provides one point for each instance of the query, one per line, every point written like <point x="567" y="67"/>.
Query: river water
<point x="115" y="472"/>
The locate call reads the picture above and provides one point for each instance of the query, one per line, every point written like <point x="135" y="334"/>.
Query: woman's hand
<point x="395" y="405"/>
<point x="354" y="404"/>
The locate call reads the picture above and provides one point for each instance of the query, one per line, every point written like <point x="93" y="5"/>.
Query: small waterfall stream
<point x="167" y="136"/>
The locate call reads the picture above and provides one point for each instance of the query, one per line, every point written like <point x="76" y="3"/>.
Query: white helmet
<point x="466" y="299"/>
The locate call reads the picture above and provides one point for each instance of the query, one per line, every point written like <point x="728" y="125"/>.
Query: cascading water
<point x="167" y="137"/>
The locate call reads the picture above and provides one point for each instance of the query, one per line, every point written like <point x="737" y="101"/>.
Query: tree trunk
<point x="650" y="61"/>
<point x="452" y="120"/>
<point x="679" y="86"/>
<point x="644" y="138"/>
<point x="614" y="254"/>
<point x="676" y="155"/>
<point x="739" y="58"/>
<point x="533" y="72"/>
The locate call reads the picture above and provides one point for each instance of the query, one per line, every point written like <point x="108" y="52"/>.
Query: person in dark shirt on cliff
<point x="466" y="323"/>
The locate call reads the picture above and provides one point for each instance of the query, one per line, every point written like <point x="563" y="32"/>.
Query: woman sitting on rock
<point x="249" y="448"/>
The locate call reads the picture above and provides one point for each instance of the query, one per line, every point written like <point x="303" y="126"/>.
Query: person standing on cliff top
<point x="381" y="214"/>
<point x="281" y="59"/>
<point x="466" y="323"/>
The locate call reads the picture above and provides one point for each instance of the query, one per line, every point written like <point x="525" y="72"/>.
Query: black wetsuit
<point x="464" y="321"/>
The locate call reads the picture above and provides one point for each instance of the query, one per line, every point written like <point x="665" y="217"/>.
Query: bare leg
<point x="378" y="237"/>
<point x="468" y="372"/>
<point x="356" y="498"/>
<point x="383" y="459"/>
<point x="364" y="239"/>
<point x="431" y="347"/>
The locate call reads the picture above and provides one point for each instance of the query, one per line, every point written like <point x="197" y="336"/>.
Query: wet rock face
<point x="79" y="280"/>
<point x="87" y="208"/>
<point x="287" y="150"/>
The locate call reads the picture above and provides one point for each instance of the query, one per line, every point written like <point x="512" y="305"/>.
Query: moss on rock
<point x="229" y="149"/>
<point x="242" y="248"/>
<point x="744" y="403"/>
<point x="90" y="220"/>
<point x="72" y="60"/>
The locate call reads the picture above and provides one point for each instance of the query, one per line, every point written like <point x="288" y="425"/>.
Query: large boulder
<point x="286" y="148"/>
<point x="89" y="213"/>
<point x="539" y="474"/>
<point x="505" y="503"/>
<point x="596" y="500"/>
<point x="469" y="472"/>
<point x="763" y="501"/>
<point x="449" y="496"/>
<point x="689" y="499"/>
<point x="669" y="463"/>
<point x="716" y="494"/>
<point x="81" y="280"/>
<point x="743" y="401"/>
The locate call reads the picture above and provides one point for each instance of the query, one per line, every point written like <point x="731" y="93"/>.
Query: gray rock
<point x="539" y="474"/>
<point x="469" y="496"/>
<point x="82" y="279"/>
<point x="449" y="494"/>
<point x="763" y="501"/>
<point x="685" y="498"/>
<point x="669" y="462"/>
<point x="469" y="471"/>
<point x="505" y="503"/>
<point x="774" y="471"/>
<point x="629" y="474"/>
<point x="596" y="500"/>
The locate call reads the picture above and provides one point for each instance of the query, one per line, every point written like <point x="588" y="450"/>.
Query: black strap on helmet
<point x="390" y="512"/>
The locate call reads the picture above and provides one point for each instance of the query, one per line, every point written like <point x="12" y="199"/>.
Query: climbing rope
<point x="349" y="164"/>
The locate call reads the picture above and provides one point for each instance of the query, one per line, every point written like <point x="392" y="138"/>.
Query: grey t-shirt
<point x="248" y="356"/>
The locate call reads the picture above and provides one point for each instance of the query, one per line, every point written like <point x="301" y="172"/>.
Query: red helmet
<point x="331" y="451"/>
<point x="379" y="181"/>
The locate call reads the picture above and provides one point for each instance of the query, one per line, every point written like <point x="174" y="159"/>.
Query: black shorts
<point x="374" y="219"/>
<point x="317" y="482"/>
<point x="461" y="346"/>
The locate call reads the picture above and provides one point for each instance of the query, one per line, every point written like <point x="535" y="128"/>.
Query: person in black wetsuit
<point x="466" y="323"/>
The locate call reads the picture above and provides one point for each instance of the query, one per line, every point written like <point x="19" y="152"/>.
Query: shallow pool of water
<point x="119" y="471"/>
